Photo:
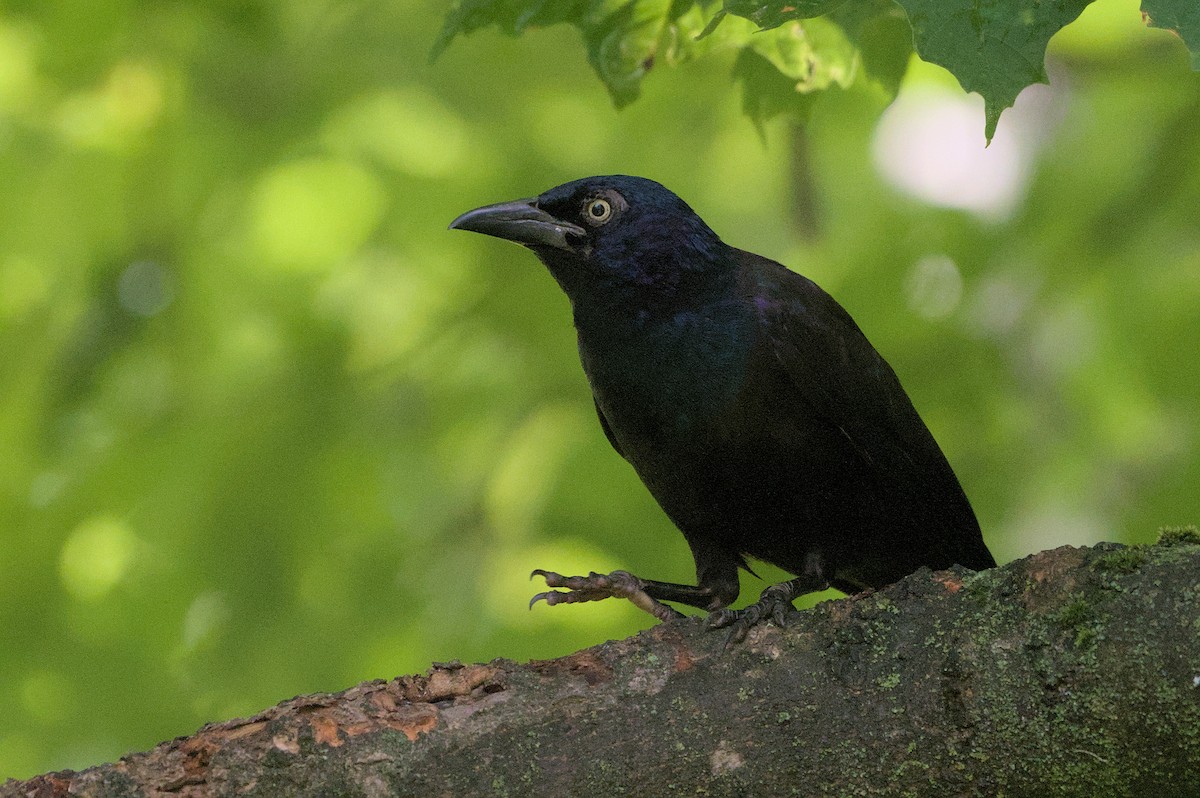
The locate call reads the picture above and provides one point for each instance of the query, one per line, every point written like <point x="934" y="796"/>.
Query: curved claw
<point x="740" y="624"/>
<point x="595" y="587"/>
<point x="775" y="603"/>
<point x="736" y="635"/>
<point x="719" y="619"/>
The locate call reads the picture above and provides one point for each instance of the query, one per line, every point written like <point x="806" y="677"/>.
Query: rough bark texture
<point x="1074" y="672"/>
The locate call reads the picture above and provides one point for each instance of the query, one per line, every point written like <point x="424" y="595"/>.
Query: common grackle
<point x="748" y="401"/>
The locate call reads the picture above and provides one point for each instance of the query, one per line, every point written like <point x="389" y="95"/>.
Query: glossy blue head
<point x="612" y="231"/>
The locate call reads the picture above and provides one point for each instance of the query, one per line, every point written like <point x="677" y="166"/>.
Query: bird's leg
<point x="774" y="603"/>
<point x="703" y="596"/>
<point x="618" y="584"/>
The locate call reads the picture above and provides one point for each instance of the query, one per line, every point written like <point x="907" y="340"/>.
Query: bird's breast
<point x="661" y="384"/>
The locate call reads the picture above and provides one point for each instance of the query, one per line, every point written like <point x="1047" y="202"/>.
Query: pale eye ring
<point x="597" y="210"/>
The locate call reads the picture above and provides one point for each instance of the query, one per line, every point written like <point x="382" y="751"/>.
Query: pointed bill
<point x="521" y="221"/>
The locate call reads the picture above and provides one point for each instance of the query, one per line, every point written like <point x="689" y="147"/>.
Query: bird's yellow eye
<point x="597" y="211"/>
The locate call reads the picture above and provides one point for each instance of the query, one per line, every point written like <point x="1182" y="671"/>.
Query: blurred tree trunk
<point x="1075" y="672"/>
<point x="806" y="209"/>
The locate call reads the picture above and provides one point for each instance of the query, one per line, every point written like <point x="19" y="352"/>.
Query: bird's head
<point x="605" y="231"/>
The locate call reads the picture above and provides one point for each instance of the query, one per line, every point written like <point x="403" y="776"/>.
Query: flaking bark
<point x="1074" y="672"/>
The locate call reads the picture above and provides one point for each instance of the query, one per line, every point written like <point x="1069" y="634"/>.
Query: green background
<point x="268" y="428"/>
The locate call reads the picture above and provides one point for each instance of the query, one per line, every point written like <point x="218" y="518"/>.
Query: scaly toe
<point x="594" y="587"/>
<point x="719" y="619"/>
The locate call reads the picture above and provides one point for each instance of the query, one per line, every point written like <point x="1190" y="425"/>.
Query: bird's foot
<point x="594" y="587"/>
<point x="775" y="604"/>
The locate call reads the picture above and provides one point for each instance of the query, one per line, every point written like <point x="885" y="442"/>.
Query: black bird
<point x="748" y="401"/>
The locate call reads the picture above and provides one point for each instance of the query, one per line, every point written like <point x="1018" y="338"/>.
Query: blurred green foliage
<point x="268" y="428"/>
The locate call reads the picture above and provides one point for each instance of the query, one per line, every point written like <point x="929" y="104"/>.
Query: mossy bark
<point x="1074" y="672"/>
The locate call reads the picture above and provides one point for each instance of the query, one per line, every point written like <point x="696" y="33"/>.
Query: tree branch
<point x="1071" y="672"/>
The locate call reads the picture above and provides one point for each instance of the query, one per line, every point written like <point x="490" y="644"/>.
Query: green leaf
<point x="625" y="39"/>
<point x="783" y="70"/>
<point x="511" y="16"/>
<point x="994" y="47"/>
<point x="766" y="91"/>
<point x="880" y="31"/>
<point x="813" y="55"/>
<point x="772" y="15"/>
<point x="1181" y="17"/>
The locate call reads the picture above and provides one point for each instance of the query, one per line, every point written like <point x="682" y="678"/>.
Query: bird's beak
<point x="521" y="221"/>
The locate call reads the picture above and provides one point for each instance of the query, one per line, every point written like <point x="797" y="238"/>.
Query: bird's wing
<point x="608" y="433"/>
<point x="836" y="376"/>
<point x="836" y="373"/>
